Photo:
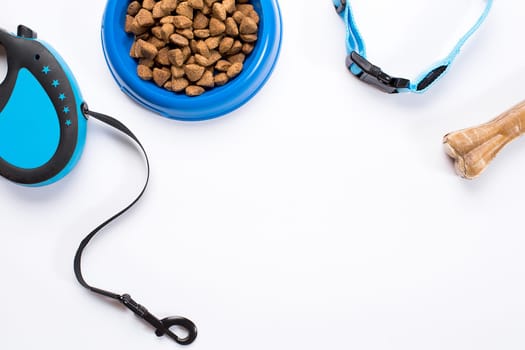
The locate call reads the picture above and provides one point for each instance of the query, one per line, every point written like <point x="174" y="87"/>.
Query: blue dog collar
<point x="360" y="67"/>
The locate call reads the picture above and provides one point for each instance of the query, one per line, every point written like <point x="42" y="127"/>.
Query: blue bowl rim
<point x="219" y="101"/>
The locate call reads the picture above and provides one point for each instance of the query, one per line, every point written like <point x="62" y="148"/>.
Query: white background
<point x="321" y="215"/>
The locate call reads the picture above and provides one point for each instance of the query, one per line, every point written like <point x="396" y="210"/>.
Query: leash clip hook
<point x="162" y="327"/>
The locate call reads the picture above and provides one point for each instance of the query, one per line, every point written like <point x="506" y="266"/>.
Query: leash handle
<point x="360" y="67"/>
<point x="162" y="326"/>
<point x="43" y="130"/>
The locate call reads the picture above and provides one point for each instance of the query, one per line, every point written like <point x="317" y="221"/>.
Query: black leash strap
<point x="162" y="326"/>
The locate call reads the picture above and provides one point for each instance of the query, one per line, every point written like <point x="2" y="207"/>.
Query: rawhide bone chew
<point x="474" y="148"/>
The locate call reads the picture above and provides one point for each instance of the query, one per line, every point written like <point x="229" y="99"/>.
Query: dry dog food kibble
<point x="191" y="45"/>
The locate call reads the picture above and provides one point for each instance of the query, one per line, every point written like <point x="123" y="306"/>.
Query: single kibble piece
<point x="207" y="80"/>
<point x="186" y="52"/>
<point x="158" y="11"/>
<point x="157" y="32"/>
<point x="179" y="84"/>
<point x="166" y="31"/>
<point x="136" y="28"/>
<point x="221" y="79"/>
<point x="177" y="72"/>
<point x="236" y="48"/>
<point x="200" y="21"/>
<point x="238" y="17"/>
<point x="161" y="76"/>
<point x="247" y="48"/>
<point x="214" y="57"/>
<point x="144" y="72"/>
<point x="187" y="33"/>
<point x="231" y="27"/>
<point x="134" y="52"/>
<point x="238" y="58"/>
<point x="134" y="8"/>
<point x="190" y="60"/>
<point x="193" y="46"/>
<point x="146" y="50"/>
<point x="226" y="45"/>
<point x="182" y="22"/>
<point x="167" y="19"/>
<point x="194" y="72"/>
<point x="145" y="18"/>
<point x="201" y="60"/>
<point x="213" y="42"/>
<point x="202" y="33"/>
<point x="223" y="65"/>
<point x="176" y="57"/>
<point x="194" y="90"/>
<point x="234" y="70"/>
<point x="179" y="40"/>
<point x="184" y="9"/>
<point x="248" y="26"/>
<point x="216" y="27"/>
<point x="219" y="11"/>
<point x="249" y="38"/>
<point x="202" y="48"/>
<point x="163" y="57"/>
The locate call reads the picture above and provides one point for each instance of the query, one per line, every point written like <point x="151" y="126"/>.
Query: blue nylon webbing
<point x="355" y="43"/>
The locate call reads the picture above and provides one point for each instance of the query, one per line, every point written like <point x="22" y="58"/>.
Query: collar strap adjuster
<point x="373" y="75"/>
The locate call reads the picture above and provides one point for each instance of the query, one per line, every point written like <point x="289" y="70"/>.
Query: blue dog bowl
<point x="214" y="103"/>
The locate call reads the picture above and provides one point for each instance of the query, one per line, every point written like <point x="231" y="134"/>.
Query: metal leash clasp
<point x="162" y="327"/>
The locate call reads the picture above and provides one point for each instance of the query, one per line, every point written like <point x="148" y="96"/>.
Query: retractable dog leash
<point x="43" y="121"/>
<point x="360" y="67"/>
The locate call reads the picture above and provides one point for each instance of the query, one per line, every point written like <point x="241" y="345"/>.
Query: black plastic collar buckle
<point x="374" y="76"/>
